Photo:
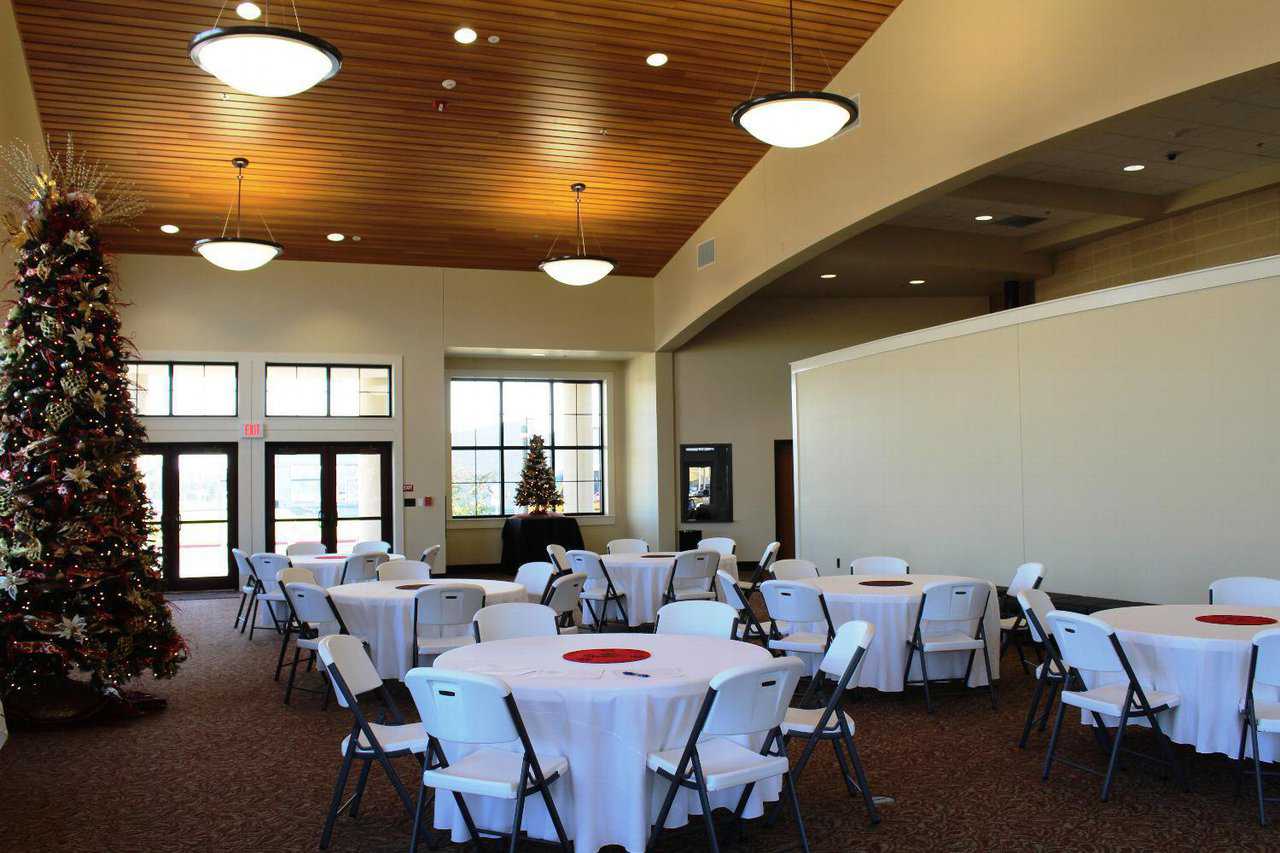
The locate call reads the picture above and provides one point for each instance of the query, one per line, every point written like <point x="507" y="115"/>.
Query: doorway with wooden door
<point x="338" y="493"/>
<point x="784" y="498"/>
<point x="194" y="523"/>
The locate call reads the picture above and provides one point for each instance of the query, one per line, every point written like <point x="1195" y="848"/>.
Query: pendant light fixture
<point x="238" y="253"/>
<point x="578" y="269"/>
<point x="794" y="119"/>
<point x="259" y="59"/>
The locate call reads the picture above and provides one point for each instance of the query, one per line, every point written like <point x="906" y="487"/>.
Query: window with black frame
<point x="183" y="389"/>
<point x="329" y="390"/>
<point x="491" y="422"/>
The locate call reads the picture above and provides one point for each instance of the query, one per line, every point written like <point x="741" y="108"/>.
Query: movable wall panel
<point x="1130" y="440"/>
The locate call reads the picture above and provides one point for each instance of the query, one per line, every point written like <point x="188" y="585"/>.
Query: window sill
<point x="496" y="523"/>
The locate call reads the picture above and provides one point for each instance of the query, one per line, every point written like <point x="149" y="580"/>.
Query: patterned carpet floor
<point x="228" y="767"/>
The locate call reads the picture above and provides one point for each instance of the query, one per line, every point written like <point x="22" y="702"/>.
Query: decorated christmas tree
<point x="537" y="489"/>
<point x="80" y="587"/>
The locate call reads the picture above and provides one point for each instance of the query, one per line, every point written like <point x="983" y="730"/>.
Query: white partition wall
<point x="1129" y="439"/>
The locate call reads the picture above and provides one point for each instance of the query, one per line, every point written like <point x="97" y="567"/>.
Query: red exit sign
<point x="252" y="429"/>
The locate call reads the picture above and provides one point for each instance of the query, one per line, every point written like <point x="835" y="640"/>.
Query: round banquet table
<point x="605" y="723"/>
<point x="1206" y="664"/>
<point x="640" y="576"/>
<point x="382" y="613"/>
<point x="893" y="610"/>
<point x="326" y="567"/>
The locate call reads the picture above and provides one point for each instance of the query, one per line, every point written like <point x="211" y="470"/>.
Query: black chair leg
<point x="519" y="817"/>
<point x="354" y="810"/>
<point x="253" y="618"/>
<point x="545" y="791"/>
<point x="284" y="644"/>
<point x="795" y="811"/>
<point x="417" y="818"/>
<point x="1171" y="755"/>
<point x="1053" y="740"/>
<point x="867" y="800"/>
<point x="991" y="681"/>
<point x="660" y="825"/>
<point x="705" y="800"/>
<point x="244" y="596"/>
<point x="1031" y="712"/>
<point x="293" y="673"/>
<point x="1115" y="753"/>
<point x="924" y="676"/>
<point x="466" y="817"/>
<point x="339" y="787"/>
<point x="1257" y="777"/>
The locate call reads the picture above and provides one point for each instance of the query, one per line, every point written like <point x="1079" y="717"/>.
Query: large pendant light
<point x="238" y="253"/>
<point x="260" y="59"/>
<point x="794" y="119"/>
<point x="578" y="269"/>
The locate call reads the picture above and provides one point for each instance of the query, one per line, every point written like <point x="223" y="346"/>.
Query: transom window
<point x="329" y="390"/>
<point x="491" y="421"/>
<point x="183" y="389"/>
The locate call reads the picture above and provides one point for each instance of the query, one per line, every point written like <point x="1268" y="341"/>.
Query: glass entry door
<point x="192" y="490"/>
<point x="335" y="493"/>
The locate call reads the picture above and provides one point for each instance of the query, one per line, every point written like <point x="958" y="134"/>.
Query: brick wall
<point x="1238" y="229"/>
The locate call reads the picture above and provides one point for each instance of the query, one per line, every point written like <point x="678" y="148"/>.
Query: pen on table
<point x="636" y="674"/>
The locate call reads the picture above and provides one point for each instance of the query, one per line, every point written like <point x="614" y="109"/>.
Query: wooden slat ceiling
<point x="564" y="96"/>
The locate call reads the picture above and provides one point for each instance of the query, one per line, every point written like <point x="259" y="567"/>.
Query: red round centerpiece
<point x="606" y="655"/>
<point x="1235" y="619"/>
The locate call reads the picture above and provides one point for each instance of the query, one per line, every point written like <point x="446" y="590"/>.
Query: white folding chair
<point x="751" y="585"/>
<point x="1052" y="672"/>
<point x="314" y="617"/>
<point x="698" y="618"/>
<point x="440" y="607"/>
<point x="1014" y="628"/>
<point x="292" y="626"/>
<point x="722" y="545"/>
<point x="795" y="603"/>
<point x="371" y="546"/>
<point x="794" y="570"/>
<point x="266" y="566"/>
<point x="950" y="602"/>
<point x="479" y="711"/>
<point x="603" y="592"/>
<point x="429" y="556"/>
<point x="304" y="549"/>
<point x="739" y="701"/>
<point x="386" y="736"/>
<point x="559" y="557"/>
<point x="1246" y="591"/>
<point x="536" y="580"/>
<point x="404" y="570"/>
<point x="1087" y="643"/>
<point x="692" y="577"/>
<point x="513" y="620"/>
<point x="361" y="567"/>
<point x="840" y="664"/>
<point x="1260" y="715"/>
<point x="248" y="583"/>
<point x="626" y="546"/>
<point x="564" y="597"/>
<point x="749" y="627"/>
<point x="879" y="566"/>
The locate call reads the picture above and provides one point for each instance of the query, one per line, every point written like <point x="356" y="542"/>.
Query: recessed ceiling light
<point x="494" y="39"/>
<point x="355" y="238"/>
<point x="657" y="60"/>
<point x="1134" y="167"/>
<point x="827" y="275"/>
<point x="335" y="237"/>
<point x="249" y="11"/>
<point x="538" y="354"/>
<point x="449" y="84"/>
<point x="986" y="217"/>
<point x="170" y="229"/>
<point x="916" y="281"/>
<point x="464" y="35"/>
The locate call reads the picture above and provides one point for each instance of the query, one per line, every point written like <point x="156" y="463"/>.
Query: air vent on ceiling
<point x="1017" y="221"/>
<point x="706" y="253"/>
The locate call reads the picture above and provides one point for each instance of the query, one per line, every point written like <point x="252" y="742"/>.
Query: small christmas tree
<point x="537" y="489"/>
<point x="80" y="588"/>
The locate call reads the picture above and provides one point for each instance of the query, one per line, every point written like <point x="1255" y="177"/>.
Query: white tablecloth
<point x="605" y="724"/>
<point x="893" y="609"/>
<point x="1206" y="664"/>
<point x="382" y="613"/>
<point x="641" y="577"/>
<point x="326" y="567"/>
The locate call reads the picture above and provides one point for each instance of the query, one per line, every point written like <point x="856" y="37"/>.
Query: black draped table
<point x="525" y="538"/>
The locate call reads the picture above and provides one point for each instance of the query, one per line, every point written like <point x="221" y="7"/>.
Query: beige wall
<point x="733" y="384"/>
<point x="525" y="310"/>
<point x="480" y="542"/>
<point x="649" y="388"/>
<point x="186" y="304"/>
<point x="18" y="116"/>
<point x="1235" y="230"/>
<point x="1130" y="446"/>
<point x="949" y="90"/>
